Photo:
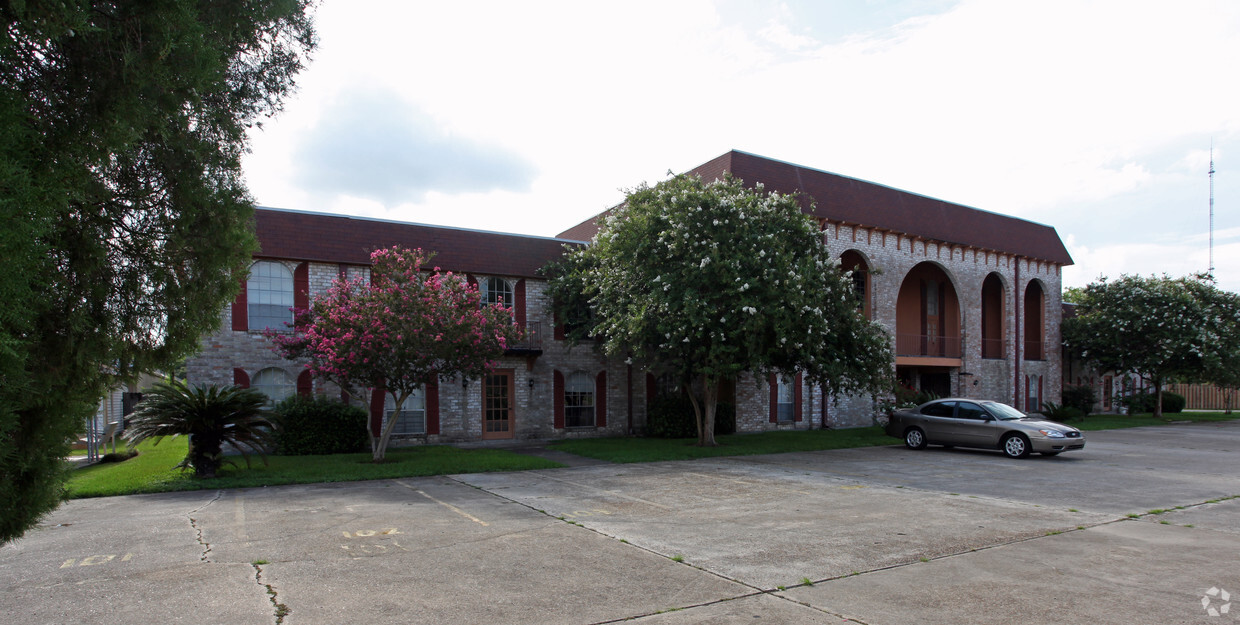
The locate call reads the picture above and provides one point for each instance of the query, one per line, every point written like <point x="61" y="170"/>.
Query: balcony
<point x="530" y="344"/>
<point x="931" y="346"/>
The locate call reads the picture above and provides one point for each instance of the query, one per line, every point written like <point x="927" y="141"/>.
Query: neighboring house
<point x="970" y="297"/>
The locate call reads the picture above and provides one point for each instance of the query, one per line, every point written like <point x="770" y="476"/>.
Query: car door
<point x="974" y="426"/>
<point x="937" y="420"/>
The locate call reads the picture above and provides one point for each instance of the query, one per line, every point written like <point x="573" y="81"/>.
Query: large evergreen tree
<point x="705" y="280"/>
<point x="126" y="222"/>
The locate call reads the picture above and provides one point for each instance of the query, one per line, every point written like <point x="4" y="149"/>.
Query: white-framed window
<point x="786" y="394"/>
<point x="275" y="383"/>
<point x="496" y="291"/>
<point x="579" y="401"/>
<point x="412" y="416"/>
<point x="269" y="296"/>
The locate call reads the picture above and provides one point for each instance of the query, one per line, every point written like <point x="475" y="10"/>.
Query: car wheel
<point x="1049" y="454"/>
<point x="1015" y="446"/>
<point x="914" y="438"/>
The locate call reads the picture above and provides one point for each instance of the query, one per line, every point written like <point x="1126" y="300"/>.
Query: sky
<point x="1097" y="118"/>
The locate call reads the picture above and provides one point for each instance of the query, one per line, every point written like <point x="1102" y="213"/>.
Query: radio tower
<point x="1211" y="272"/>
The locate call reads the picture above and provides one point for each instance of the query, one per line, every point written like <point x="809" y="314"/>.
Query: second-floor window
<point x="269" y="295"/>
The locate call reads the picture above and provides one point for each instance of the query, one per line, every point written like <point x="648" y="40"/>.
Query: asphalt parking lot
<point x="1137" y="528"/>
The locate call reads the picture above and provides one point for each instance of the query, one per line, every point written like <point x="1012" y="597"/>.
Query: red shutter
<point x="557" y="391"/>
<point x="376" y="411"/>
<point x="304" y="384"/>
<point x="432" y="405"/>
<point x="559" y="327"/>
<point x="518" y="302"/>
<point x="241" y="310"/>
<point x="796" y="398"/>
<point x="774" y="398"/>
<point x="600" y="400"/>
<point x="301" y="287"/>
<point x="652" y="388"/>
<point x="472" y="281"/>
<point x="241" y="378"/>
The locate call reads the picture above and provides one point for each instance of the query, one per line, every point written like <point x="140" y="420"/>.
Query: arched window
<point x="412" y="416"/>
<point x="1034" y="327"/>
<point x="273" y="382"/>
<point x="496" y="291"/>
<point x="579" y="401"/>
<point x="852" y="261"/>
<point x="992" y="317"/>
<point x="269" y="293"/>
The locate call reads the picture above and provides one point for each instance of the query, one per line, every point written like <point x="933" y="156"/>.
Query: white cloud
<point x="1090" y="116"/>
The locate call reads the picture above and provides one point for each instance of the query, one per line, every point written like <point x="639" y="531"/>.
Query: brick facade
<point x="931" y="294"/>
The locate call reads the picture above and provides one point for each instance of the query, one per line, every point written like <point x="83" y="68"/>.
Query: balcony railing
<point x="530" y="343"/>
<point x="923" y="345"/>
<point x="993" y="348"/>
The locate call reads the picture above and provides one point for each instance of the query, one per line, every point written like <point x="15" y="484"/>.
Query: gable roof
<point x="848" y="200"/>
<point x="327" y="238"/>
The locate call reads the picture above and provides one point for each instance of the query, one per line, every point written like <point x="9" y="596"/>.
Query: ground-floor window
<point x="787" y="398"/>
<point x="579" y="401"/>
<point x="273" y="382"/>
<point x="412" y="418"/>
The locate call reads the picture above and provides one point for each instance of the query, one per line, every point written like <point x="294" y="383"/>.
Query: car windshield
<point x="1003" y="412"/>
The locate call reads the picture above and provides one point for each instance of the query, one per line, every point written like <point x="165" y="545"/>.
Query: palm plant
<point x="210" y="416"/>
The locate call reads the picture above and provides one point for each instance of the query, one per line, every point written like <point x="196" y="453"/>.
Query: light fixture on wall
<point x="530" y="383"/>
<point x="464" y="382"/>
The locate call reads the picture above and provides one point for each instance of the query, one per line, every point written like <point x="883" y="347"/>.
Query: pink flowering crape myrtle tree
<point x="397" y="331"/>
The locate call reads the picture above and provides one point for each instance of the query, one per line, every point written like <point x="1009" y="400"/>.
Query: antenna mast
<point x="1211" y="272"/>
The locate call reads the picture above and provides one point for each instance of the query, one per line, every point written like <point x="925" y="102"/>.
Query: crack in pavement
<point x="193" y="522"/>
<point x="281" y="610"/>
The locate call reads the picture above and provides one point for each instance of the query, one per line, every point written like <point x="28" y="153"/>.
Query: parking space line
<point x="446" y="505"/>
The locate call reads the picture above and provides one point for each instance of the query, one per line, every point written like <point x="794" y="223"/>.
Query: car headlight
<point x="1052" y="433"/>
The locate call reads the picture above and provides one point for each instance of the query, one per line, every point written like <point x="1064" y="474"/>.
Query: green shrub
<point x="1080" y="397"/>
<point x="1139" y="403"/>
<point x="1173" y="402"/>
<point x="671" y="416"/>
<point x="118" y="456"/>
<point x="1061" y="413"/>
<point x="317" y="425"/>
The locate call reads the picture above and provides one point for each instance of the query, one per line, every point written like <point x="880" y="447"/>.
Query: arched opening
<point x="928" y="314"/>
<point x="855" y="265"/>
<point x="1035" y="329"/>
<point x="927" y="330"/>
<point x="992" y="317"/>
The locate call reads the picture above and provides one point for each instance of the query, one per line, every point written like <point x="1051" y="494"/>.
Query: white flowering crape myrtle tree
<point x="1158" y="327"/>
<point x="705" y="280"/>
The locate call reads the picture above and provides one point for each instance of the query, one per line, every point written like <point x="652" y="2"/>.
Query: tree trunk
<point x="710" y="388"/>
<point x="697" y="409"/>
<point x="1158" y="399"/>
<point x="379" y="448"/>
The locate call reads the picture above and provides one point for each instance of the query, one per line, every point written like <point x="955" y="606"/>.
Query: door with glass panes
<point x="497" y="404"/>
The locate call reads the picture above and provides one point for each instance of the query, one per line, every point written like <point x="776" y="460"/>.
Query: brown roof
<point x="842" y="199"/>
<point x="321" y="237"/>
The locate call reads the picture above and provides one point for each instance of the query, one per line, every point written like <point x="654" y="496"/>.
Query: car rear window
<point x="940" y="409"/>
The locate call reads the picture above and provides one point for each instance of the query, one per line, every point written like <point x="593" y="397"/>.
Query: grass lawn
<point x="654" y="449"/>
<point x="1116" y="421"/>
<point x="153" y="470"/>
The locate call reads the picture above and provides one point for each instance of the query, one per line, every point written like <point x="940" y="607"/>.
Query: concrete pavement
<point x="878" y="535"/>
